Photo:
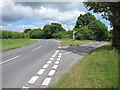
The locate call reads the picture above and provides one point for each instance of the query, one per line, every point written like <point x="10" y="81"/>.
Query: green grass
<point x="99" y="69"/>
<point x="7" y="44"/>
<point x="70" y="42"/>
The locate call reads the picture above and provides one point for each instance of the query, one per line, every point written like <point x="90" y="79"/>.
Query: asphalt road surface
<point x="40" y="65"/>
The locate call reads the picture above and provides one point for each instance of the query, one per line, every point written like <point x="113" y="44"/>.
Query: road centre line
<point x="55" y="67"/>
<point x="56" y="51"/>
<point x="57" y="62"/>
<point x="51" y="73"/>
<point x="10" y="59"/>
<point x="58" y="58"/>
<point x="25" y="87"/>
<point x="45" y="66"/>
<point x="51" y="58"/>
<point x="48" y="62"/>
<point x="46" y="81"/>
<point x="33" y="79"/>
<point x="41" y="71"/>
<point x="54" y="55"/>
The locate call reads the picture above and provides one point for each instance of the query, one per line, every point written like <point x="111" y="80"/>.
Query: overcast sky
<point x="17" y="16"/>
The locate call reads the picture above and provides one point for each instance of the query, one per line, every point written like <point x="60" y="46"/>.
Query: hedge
<point x="12" y="35"/>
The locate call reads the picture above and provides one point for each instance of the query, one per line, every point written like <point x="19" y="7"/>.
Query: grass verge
<point x="99" y="69"/>
<point x="7" y="44"/>
<point x="70" y="42"/>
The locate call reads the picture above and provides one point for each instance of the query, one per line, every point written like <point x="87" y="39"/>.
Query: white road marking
<point x="51" y="73"/>
<point x="51" y="58"/>
<point x="46" y="81"/>
<point x="56" y="62"/>
<point x="33" y="79"/>
<point x="25" y="87"/>
<point x="60" y="54"/>
<point x="49" y="62"/>
<point x="57" y="51"/>
<point x="54" y="55"/>
<point x="37" y="48"/>
<point x="67" y="53"/>
<point x="55" y="67"/>
<point x="10" y="59"/>
<point x="58" y="58"/>
<point x="59" y="47"/>
<point x="45" y="66"/>
<point x="41" y="71"/>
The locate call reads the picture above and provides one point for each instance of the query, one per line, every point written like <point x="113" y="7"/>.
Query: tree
<point x="49" y="30"/>
<point x="37" y="33"/>
<point x="84" y="33"/>
<point x="27" y="30"/>
<point x="110" y="11"/>
<point x="84" y="20"/>
<point x="99" y="29"/>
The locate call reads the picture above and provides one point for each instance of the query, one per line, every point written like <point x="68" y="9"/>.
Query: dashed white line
<point x="48" y="62"/>
<point x="33" y="79"/>
<point x="25" y="87"/>
<point x="59" y="47"/>
<point x="54" y="55"/>
<point x="10" y="59"/>
<point x="41" y="71"/>
<point x="37" y="48"/>
<point x="57" y="51"/>
<point x="55" y="67"/>
<point x="51" y="58"/>
<point x="56" y="62"/>
<point x="58" y="58"/>
<point x="46" y="81"/>
<point x="45" y="66"/>
<point x="60" y="54"/>
<point x="51" y="73"/>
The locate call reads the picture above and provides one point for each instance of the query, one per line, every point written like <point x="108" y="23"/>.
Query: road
<point x="40" y="65"/>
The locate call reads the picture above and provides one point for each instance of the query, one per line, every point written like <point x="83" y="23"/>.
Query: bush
<point x="12" y="35"/>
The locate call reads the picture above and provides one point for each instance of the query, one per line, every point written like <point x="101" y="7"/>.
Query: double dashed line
<point x="41" y="71"/>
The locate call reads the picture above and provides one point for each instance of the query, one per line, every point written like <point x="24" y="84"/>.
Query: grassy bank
<point x="7" y="44"/>
<point x="70" y="42"/>
<point x="99" y="69"/>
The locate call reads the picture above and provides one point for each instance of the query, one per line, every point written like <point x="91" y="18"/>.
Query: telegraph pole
<point x="73" y="35"/>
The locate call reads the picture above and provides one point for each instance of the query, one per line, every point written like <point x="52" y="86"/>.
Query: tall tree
<point x="84" y="20"/>
<point x="49" y="30"/>
<point x="111" y="12"/>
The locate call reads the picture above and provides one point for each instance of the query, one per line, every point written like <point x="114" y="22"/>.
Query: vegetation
<point x="89" y="28"/>
<point x="7" y="44"/>
<point x="12" y="35"/>
<point x="99" y="69"/>
<point x="111" y="12"/>
<point x="70" y="42"/>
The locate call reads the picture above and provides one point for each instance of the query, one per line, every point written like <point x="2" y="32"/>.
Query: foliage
<point x="99" y="29"/>
<point x="84" y="20"/>
<point x="50" y="31"/>
<point x="36" y="33"/>
<point x="84" y="33"/>
<point x="111" y="12"/>
<point x="9" y="34"/>
<point x="99" y="69"/>
<point x="27" y="30"/>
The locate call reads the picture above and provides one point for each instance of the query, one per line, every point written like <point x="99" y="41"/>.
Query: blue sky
<point x="18" y="16"/>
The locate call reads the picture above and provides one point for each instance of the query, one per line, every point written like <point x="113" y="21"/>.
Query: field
<point x="99" y="69"/>
<point x="7" y="44"/>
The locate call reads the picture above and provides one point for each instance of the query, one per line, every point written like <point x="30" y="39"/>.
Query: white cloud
<point x="68" y="27"/>
<point x="19" y="28"/>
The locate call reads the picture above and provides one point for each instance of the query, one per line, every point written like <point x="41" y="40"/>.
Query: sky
<point x="18" y="16"/>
